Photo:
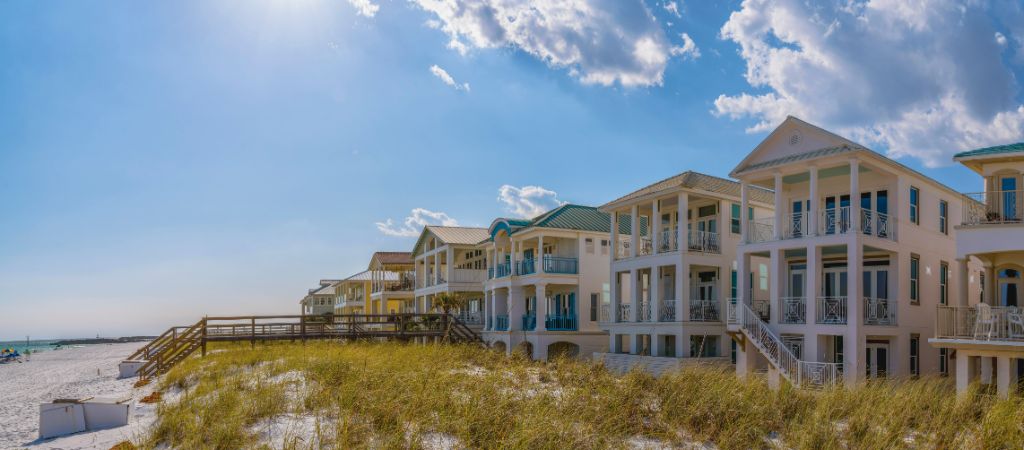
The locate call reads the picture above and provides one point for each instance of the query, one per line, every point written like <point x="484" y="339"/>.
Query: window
<point x="703" y="346"/>
<point x="732" y="285"/>
<point x="943" y="283"/>
<point x="604" y="246"/>
<point x="593" y="307"/>
<point x="589" y="243"/>
<point x="732" y="351"/>
<point x="915" y="200"/>
<point x="943" y="217"/>
<point x="705" y="211"/>
<point x="915" y="356"/>
<point x="915" y="277"/>
<point x="735" y="221"/>
<point x="944" y="362"/>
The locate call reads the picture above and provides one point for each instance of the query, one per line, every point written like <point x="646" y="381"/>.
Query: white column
<point x="853" y="342"/>
<point x="681" y="239"/>
<point x="614" y="236"/>
<point x="450" y="264"/>
<point x="513" y="256"/>
<point x="634" y="283"/>
<point x="812" y="210"/>
<point x="744" y="221"/>
<point x="654" y="226"/>
<point x="779" y="210"/>
<point x="437" y="267"/>
<point x="634" y="230"/>
<point x="855" y="196"/>
<point x="986" y="369"/>
<point x="991" y="284"/>
<point x="811" y="280"/>
<point x="542" y="306"/>
<point x="963" y="372"/>
<point x="682" y="294"/>
<point x="655" y="295"/>
<point x="1003" y="376"/>
<point x="615" y="296"/>
<point x="742" y="279"/>
<point x="774" y="285"/>
<point x="538" y="262"/>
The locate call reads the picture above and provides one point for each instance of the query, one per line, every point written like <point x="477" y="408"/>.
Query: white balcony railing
<point x="624" y="313"/>
<point x="730" y="311"/>
<point x="646" y="246"/>
<point x="980" y="322"/>
<point x="795" y="226"/>
<point x="668" y="242"/>
<point x="879" y="311"/>
<point x="468" y="276"/>
<point x="874" y="223"/>
<point x="794" y="310"/>
<point x="667" y="313"/>
<point x="645" y="312"/>
<point x="835" y="221"/>
<point x="761" y="230"/>
<point x="622" y="248"/>
<point x="831" y="310"/>
<point x="993" y="207"/>
<point x="763" y="308"/>
<point x="704" y="310"/>
<point x="703" y="241"/>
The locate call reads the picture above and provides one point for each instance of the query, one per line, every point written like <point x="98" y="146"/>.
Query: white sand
<point x="68" y="373"/>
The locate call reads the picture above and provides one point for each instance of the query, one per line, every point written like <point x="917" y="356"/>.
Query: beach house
<point x="448" y="259"/>
<point x="981" y="331"/>
<point x="392" y="283"/>
<point x="545" y="280"/>
<point x="320" y="300"/>
<point x="353" y="293"/>
<point x="860" y="249"/>
<point x="673" y="271"/>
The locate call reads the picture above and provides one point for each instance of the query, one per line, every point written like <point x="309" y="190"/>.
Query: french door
<point x="832" y="306"/>
<point x="877" y="359"/>
<point x="877" y="309"/>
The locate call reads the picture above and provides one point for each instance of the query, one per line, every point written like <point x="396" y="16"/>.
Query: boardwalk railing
<point x="177" y="343"/>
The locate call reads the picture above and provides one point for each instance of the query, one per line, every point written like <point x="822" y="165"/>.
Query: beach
<point x="73" y="372"/>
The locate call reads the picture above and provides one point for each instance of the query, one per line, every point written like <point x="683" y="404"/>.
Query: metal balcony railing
<point x="874" y="223"/>
<point x="668" y="311"/>
<point x="703" y="310"/>
<point x="624" y="313"/>
<point x="835" y="221"/>
<point x="501" y="322"/>
<point x="560" y="322"/>
<point x="529" y="322"/>
<point x="761" y="230"/>
<point x="980" y="322"/>
<point x="763" y="308"/>
<point x="993" y="207"/>
<point x="555" y="264"/>
<point x="831" y="310"/>
<point x="879" y="311"/>
<point x="525" y="267"/>
<point x="703" y="241"/>
<point x="794" y="310"/>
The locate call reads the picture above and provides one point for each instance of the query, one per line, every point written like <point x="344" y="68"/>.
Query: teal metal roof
<point x="569" y="217"/>
<point x="1009" y="148"/>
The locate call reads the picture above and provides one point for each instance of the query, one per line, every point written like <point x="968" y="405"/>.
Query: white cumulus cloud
<point x="922" y="79"/>
<point x="673" y="8"/>
<point x="689" y="48"/>
<point x="365" y="7"/>
<point x="447" y="79"/>
<point x="528" y="201"/>
<point x="414" y="223"/>
<point x="601" y="42"/>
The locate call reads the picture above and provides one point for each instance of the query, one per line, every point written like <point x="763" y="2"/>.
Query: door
<point x="1009" y="187"/>
<point x="875" y="289"/>
<point x="1009" y="287"/>
<point x="798" y="220"/>
<point x="795" y="306"/>
<point x="837" y="214"/>
<point x="877" y="360"/>
<point x="702" y="301"/>
<point x="832" y="307"/>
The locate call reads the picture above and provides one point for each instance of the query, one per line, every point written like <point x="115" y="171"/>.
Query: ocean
<point x="34" y="345"/>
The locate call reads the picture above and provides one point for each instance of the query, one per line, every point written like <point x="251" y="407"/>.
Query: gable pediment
<point x="792" y="137"/>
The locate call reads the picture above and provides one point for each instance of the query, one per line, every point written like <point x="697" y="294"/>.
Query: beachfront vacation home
<point x="320" y="300"/>
<point x="392" y="282"/>
<point x="353" y="293"/>
<point x="545" y="280"/>
<point x="983" y="330"/>
<point x="673" y="272"/>
<point x="860" y="250"/>
<point x="448" y="259"/>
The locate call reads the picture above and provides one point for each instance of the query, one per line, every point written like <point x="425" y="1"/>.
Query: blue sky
<point x="164" y="160"/>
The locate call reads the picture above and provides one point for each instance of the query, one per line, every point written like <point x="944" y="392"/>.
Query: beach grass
<point x="389" y="395"/>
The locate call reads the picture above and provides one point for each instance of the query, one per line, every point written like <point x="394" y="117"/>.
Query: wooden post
<point x="203" y="338"/>
<point x="302" y="328"/>
<point x="253" y="341"/>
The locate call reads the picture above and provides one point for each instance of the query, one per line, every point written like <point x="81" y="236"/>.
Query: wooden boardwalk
<point x="177" y="343"/>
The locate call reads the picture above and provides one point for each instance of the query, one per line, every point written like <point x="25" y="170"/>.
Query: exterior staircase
<point x="806" y="374"/>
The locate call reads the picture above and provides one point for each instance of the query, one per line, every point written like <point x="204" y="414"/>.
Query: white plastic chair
<point x="984" y="322"/>
<point x="1015" y="325"/>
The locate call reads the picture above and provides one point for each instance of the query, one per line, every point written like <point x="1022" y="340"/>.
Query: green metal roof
<point x="572" y="217"/>
<point x="1009" y="148"/>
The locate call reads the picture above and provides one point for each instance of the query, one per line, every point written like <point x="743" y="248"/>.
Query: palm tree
<point x="446" y="302"/>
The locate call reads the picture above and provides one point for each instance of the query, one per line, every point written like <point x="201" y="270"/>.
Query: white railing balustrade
<point x="604" y="314"/>
<point x="645" y="312"/>
<point x="879" y="311"/>
<point x="795" y="226"/>
<point x="835" y="220"/>
<point x="800" y="373"/>
<point x="624" y="313"/>
<point x="985" y="323"/>
<point x="874" y="223"/>
<point x="703" y="310"/>
<point x="646" y="247"/>
<point x="993" y="207"/>
<point x="468" y="276"/>
<point x="667" y="311"/>
<point x="703" y="241"/>
<point x="831" y="310"/>
<point x="622" y="249"/>
<point x="763" y="308"/>
<point x="794" y="310"/>
<point x="730" y="311"/>
<point x="668" y="242"/>
<point x="761" y="230"/>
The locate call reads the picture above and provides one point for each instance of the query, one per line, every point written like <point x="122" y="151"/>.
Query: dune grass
<point x="415" y="396"/>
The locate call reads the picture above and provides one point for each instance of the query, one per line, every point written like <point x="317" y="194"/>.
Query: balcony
<point x="525" y="267"/>
<point x="529" y="322"/>
<point x="605" y="313"/>
<point x="763" y="308"/>
<point x="644" y="312"/>
<point x="623" y="314"/>
<point x="730" y="311"/>
<point x="468" y="276"/>
<point x="980" y="323"/>
<point x="794" y="310"/>
<point x="500" y="271"/>
<point x="667" y="242"/>
<point x="501" y="322"/>
<point x="554" y="264"/>
<point x="704" y="310"/>
<point x="993" y="208"/>
<point x="831" y="221"/>
<point x="560" y="322"/>
<point x="831" y="310"/>
<point x="879" y="311"/>
<point x="703" y="242"/>
<point x="668" y="311"/>
<point x="470" y="317"/>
